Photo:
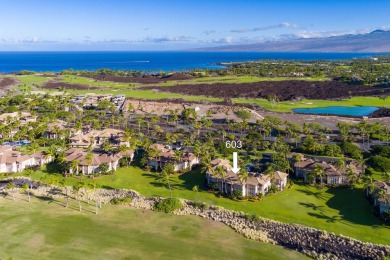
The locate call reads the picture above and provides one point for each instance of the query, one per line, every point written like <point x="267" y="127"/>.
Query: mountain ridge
<point x="375" y="41"/>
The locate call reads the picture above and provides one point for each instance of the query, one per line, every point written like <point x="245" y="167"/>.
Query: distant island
<point x="375" y="41"/>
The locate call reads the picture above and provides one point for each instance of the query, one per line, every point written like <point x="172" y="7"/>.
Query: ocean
<point x="147" y="61"/>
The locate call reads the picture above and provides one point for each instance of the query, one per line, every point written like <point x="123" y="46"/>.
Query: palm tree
<point x="220" y="171"/>
<point x="243" y="177"/>
<point x="368" y="184"/>
<point x="74" y="166"/>
<point x="76" y="190"/>
<point x="11" y="186"/>
<point x="89" y="160"/>
<point x="319" y="171"/>
<point x="178" y="155"/>
<point x="62" y="184"/>
<point x="32" y="148"/>
<point x="197" y="150"/>
<point x="341" y="163"/>
<point x="25" y="189"/>
<point x="380" y="194"/>
<point x="168" y="171"/>
<point x="94" y="185"/>
<point x="153" y="153"/>
<point x="352" y="177"/>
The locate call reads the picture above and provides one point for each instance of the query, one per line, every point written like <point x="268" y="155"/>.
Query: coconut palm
<point x="243" y="177"/>
<point x="368" y="184"/>
<point x="33" y="148"/>
<point x="319" y="171"/>
<point x="179" y="155"/>
<point x="62" y="184"/>
<point x="11" y="186"/>
<point x="25" y="189"/>
<point x="89" y="160"/>
<point x="167" y="172"/>
<point x="77" y="190"/>
<point x="380" y="194"/>
<point x="220" y="171"/>
<point x="95" y="185"/>
<point x="352" y="177"/>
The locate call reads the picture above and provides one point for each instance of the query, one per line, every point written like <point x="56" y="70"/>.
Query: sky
<point x="47" y="25"/>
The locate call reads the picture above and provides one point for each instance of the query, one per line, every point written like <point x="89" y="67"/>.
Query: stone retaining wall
<point x="313" y="242"/>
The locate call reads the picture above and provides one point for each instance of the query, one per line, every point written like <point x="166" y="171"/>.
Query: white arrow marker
<point x="235" y="168"/>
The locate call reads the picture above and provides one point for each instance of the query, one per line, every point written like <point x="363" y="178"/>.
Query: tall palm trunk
<point x="170" y="189"/>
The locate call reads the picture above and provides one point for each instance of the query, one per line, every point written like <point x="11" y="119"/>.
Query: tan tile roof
<point x="5" y="148"/>
<point x="280" y="175"/>
<point x="14" y="156"/>
<point x="81" y="156"/>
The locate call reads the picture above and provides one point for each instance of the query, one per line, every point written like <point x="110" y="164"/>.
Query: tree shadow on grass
<point x="63" y="204"/>
<point x="317" y="194"/>
<point x="353" y="207"/>
<point x="192" y="178"/>
<point x="312" y="206"/>
<point x="328" y="219"/>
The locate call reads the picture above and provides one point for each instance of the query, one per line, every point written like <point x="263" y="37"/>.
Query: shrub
<point x="386" y="216"/>
<point x="379" y="163"/>
<point x="118" y="201"/>
<point x="273" y="188"/>
<point x="168" y="205"/>
<point x="200" y="205"/>
<point x="253" y="218"/>
<point x="237" y="194"/>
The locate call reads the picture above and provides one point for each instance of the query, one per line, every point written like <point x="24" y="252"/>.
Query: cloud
<point x="27" y="40"/>
<point x="208" y="32"/>
<point x="167" y="39"/>
<point x="269" y="27"/>
<point x="227" y="39"/>
<point x="322" y="34"/>
<point x="117" y="41"/>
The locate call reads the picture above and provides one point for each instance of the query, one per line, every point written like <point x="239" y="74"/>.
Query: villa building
<point x="166" y="154"/>
<point x="255" y="183"/>
<point x="88" y="163"/>
<point x="97" y="138"/>
<point x="15" y="161"/>
<point x="333" y="175"/>
<point x="380" y="195"/>
<point x="23" y="117"/>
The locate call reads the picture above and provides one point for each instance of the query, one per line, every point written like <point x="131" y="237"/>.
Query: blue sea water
<point x="149" y="61"/>
<point x="338" y="110"/>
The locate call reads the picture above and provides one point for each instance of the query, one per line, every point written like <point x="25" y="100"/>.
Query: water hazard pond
<point x="338" y="110"/>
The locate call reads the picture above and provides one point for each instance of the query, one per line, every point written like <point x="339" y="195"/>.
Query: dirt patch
<point x="5" y="84"/>
<point x="177" y="76"/>
<point x="142" y="79"/>
<point x="382" y="112"/>
<point x="60" y="85"/>
<point x="167" y="107"/>
<point x="284" y="90"/>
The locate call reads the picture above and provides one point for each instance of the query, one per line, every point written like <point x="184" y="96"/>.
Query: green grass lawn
<point x="287" y="106"/>
<point x="32" y="79"/>
<point x="146" y="94"/>
<point x="341" y="211"/>
<point x="96" y="83"/>
<point x="132" y="90"/>
<point x="235" y="79"/>
<point x="44" y="229"/>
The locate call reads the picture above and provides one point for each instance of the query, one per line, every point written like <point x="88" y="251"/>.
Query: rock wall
<point x="313" y="242"/>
